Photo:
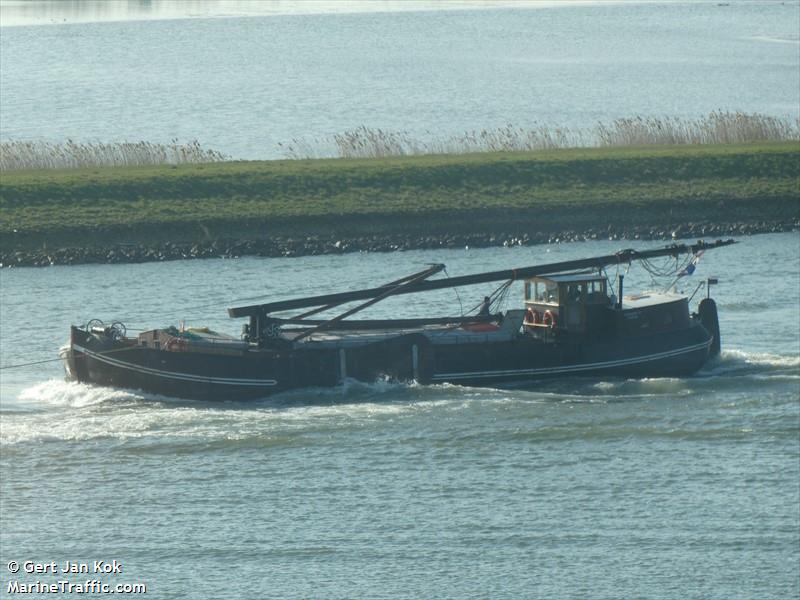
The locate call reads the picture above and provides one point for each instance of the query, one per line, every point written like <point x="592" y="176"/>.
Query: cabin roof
<point x="650" y="299"/>
<point x="570" y="278"/>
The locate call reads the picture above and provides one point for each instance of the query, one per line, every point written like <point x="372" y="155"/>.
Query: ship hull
<point x="253" y="374"/>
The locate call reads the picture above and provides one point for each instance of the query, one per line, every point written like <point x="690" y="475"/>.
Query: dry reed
<point x="364" y="142"/>
<point x="20" y="154"/>
<point x="716" y="128"/>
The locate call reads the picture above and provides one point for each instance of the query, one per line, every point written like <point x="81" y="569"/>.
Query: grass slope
<point x="424" y="194"/>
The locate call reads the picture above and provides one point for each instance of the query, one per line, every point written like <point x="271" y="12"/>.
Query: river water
<point x="244" y="77"/>
<point x="660" y="488"/>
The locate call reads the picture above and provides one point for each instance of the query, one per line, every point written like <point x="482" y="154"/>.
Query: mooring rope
<point x="39" y="362"/>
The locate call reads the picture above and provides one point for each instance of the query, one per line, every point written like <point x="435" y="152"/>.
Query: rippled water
<point x="245" y="84"/>
<point x="658" y="488"/>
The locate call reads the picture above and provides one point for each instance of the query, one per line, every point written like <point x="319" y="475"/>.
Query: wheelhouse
<point x="570" y="302"/>
<point x="583" y="304"/>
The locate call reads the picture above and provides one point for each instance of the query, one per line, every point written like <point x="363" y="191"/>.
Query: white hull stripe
<point x="172" y="375"/>
<point x="573" y="368"/>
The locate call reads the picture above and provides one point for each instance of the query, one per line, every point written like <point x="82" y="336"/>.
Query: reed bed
<point x="716" y="128"/>
<point x="19" y="154"/>
<point x="364" y="142"/>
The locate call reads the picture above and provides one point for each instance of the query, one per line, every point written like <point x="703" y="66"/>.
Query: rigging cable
<point x="39" y="362"/>
<point x="455" y="289"/>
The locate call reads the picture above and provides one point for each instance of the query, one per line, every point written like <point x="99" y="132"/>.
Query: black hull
<point x="675" y="355"/>
<point x="253" y="374"/>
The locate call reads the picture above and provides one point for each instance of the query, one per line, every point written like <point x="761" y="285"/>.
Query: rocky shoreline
<point x="285" y="246"/>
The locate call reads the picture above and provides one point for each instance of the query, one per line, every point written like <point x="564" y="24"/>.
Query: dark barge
<point x="572" y="323"/>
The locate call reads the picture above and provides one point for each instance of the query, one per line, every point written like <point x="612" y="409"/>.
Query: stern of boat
<point x="707" y="313"/>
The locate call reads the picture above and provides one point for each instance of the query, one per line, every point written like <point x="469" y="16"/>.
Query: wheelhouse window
<point x="597" y="291"/>
<point x="576" y="292"/>
<point x="566" y="289"/>
<point x="546" y="292"/>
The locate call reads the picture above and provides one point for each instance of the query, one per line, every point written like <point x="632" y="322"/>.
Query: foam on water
<point x="62" y="393"/>
<point x="774" y="39"/>
<point x="738" y="362"/>
<point x="68" y="411"/>
<point x="65" y="411"/>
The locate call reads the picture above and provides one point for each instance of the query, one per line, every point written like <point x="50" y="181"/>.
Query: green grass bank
<point x="516" y="192"/>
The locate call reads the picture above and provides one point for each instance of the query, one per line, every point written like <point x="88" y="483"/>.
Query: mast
<point x="391" y="291"/>
<point x="432" y="270"/>
<point x="623" y="256"/>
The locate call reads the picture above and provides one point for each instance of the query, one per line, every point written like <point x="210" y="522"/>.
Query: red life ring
<point x="529" y="316"/>
<point x="550" y="319"/>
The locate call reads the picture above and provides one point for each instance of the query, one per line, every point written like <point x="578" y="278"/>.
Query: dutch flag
<point x="689" y="269"/>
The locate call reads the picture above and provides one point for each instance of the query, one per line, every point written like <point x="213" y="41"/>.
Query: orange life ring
<point x="528" y="316"/>
<point x="550" y="319"/>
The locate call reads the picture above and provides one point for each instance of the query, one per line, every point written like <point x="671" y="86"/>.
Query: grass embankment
<point x="428" y="195"/>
